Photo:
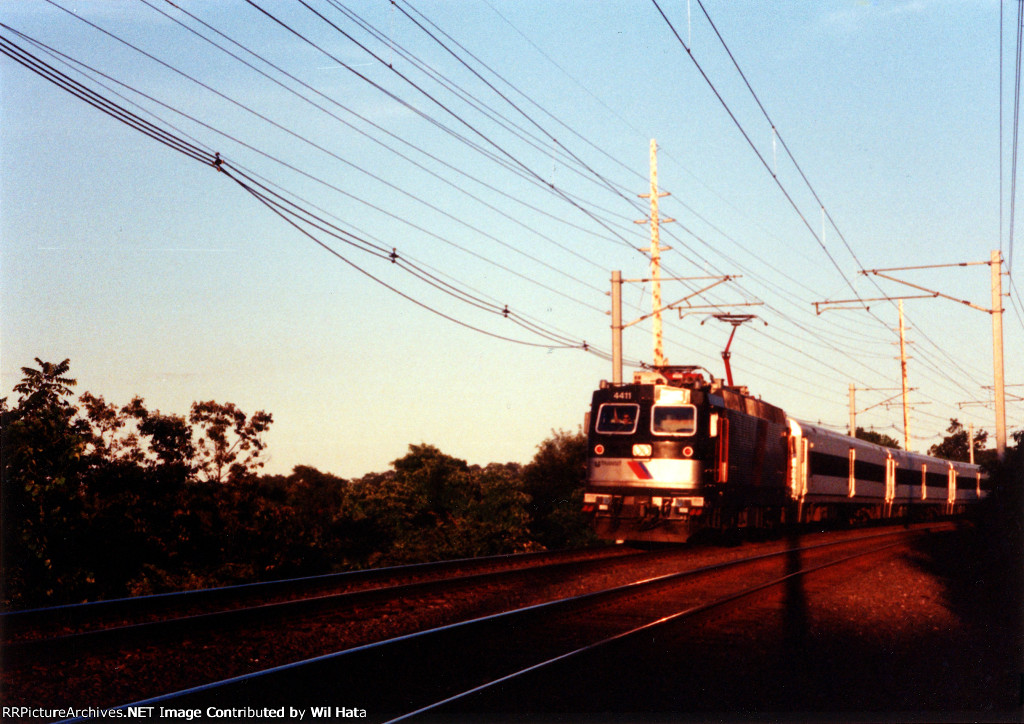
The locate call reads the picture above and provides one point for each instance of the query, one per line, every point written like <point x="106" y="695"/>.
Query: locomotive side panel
<point x="756" y="461"/>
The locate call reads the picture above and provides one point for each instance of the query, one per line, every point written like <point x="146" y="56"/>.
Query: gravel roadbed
<point x="923" y="601"/>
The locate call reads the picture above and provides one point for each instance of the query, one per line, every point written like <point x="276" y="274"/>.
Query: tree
<point x="317" y="506"/>
<point x="108" y="424"/>
<point x="168" y="439"/>
<point x="498" y="512"/>
<point x="229" y="444"/>
<point x="438" y="479"/>
<point x="45" y="387"/>
<point x="430" y="492"/>
<point x="955" y="445"/>
<point x="432" y="506"/>
<point x="877" y="438"/>
<point x="554" y="480"/>
<point x="97" y="501"/>
<point x="44" y="453"/>
<point x="146" y="529"/>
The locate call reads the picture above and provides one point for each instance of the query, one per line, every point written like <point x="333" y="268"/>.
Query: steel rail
<point x="95" y="612"/>
<point x="689" y="614"/>
<point x="371" y="671"/>
<point x="91" y="641"/>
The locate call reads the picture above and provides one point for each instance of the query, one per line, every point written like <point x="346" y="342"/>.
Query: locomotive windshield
<point x="674" y="419"/>
<point x="617" y="418"/>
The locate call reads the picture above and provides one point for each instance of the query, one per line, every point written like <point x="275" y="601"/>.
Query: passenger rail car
<point x="673" y="453"/>
<point x="832" y="469"/>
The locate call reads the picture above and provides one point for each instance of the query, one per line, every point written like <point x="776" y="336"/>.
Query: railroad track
<point x="448" y="669"/>
<point x="48" y="634"/>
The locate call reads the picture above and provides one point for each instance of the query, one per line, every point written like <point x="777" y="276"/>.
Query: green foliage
<point x="163" y="441"/>
<point x="554" y="480"/>
<point x="45" y="387"/>
<point x="432" y="506"/>
<point x="955" y="445"/>
<point x="44" y="448"/>
<point x="102" y="501"/>
<point x="877" y="438"/>
<point x="229" y="444"/>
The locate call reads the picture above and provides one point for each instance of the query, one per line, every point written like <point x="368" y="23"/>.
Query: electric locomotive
<point x="675" y="452"/>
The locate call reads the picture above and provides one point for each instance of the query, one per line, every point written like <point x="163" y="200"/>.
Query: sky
<point x="475" y="168"/>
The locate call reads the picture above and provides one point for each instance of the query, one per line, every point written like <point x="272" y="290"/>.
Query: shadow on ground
<point x="878" y="650"/>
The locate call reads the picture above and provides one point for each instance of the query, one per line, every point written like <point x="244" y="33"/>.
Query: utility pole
<point x="656" y="305"/>
<point x="853" y="411"/>
<point x="617" y="327"/>
<point x="903" y="369"/>
<point x="655" y="252"/>
<point x="996" y="262"/>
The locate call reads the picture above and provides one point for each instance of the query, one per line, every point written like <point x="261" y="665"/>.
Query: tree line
<point x="103" y="501"/>
<point x="955" y="446"/>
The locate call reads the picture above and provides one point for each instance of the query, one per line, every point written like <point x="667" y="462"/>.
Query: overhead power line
<point x="460" y="188"/>
<point x="820" y="354"/>
<point x="499" y="150"/>
<point x="753" y="146"/>
<point x="1016" y="130"/>
<point x="941" y="351"/>
<point x="294" y="215"/>
<point x="335" y="188"/>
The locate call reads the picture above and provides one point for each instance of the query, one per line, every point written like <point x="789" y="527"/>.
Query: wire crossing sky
<point x="394" y="223"/>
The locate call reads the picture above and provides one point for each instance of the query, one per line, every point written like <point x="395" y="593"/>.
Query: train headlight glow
<point x="599" y="449"/>
<point x="687" y="452"/>
<point x="641" y="451"/>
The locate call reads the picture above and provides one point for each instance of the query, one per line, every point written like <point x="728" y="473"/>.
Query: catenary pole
<point x="903" y="375"/>
<point x="996" y="264"/>
<point x="655" y="252"/>
<point x="853" y="411"/>
<point x="617" y="327"/>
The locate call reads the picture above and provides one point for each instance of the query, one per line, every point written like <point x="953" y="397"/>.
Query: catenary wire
<point x="955" y="363"/>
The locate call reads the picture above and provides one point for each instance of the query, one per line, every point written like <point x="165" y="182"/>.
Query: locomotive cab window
<point x="617" y="418"/>
<point x="674" y="419"/>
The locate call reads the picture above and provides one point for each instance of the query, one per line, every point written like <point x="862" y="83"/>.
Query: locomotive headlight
<point x="641" y="451"/>
<point x="599" y="449"/>
<point x="687" y="452"/>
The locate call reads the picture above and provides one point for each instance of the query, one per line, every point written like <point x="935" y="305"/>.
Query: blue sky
<point x="161" y="278"/>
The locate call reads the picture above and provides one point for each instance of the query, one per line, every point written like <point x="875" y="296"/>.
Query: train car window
<point x="674" y="419"/>
<point x="617" y="418"/>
